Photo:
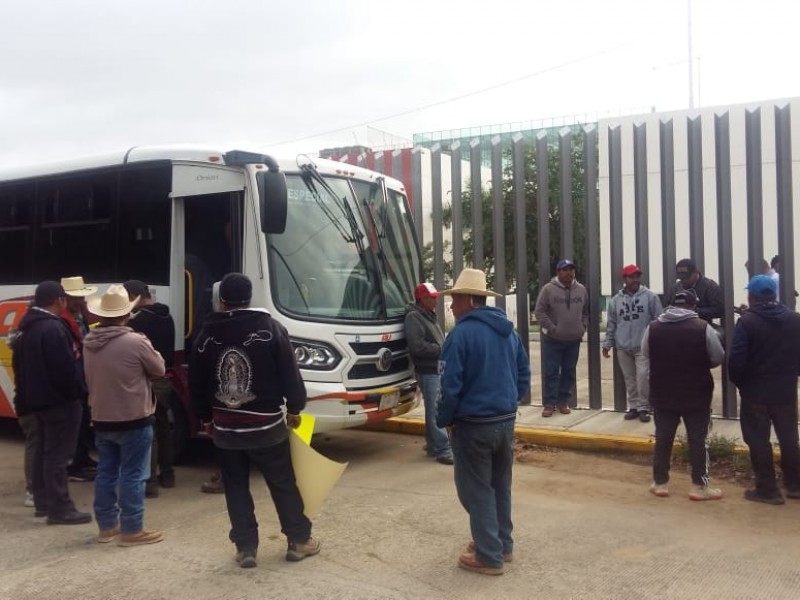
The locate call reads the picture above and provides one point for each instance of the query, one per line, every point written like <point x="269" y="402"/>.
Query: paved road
<point x="585" y="528"/>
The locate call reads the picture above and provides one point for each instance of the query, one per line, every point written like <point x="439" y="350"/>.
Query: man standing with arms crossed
<point x="425" y="338"/>
<point x="485" y="372"/>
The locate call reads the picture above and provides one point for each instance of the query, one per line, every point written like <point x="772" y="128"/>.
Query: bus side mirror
<point x="273" y="200"/>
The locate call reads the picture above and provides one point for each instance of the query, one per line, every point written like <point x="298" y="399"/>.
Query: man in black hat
<point x="49" y="382"/>
<point x="682" y="350"/>
<point x="242" y="369"/>
<point x="710" y="303"/>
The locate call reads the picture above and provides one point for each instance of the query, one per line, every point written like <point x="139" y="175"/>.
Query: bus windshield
<point x="348" y="251"/>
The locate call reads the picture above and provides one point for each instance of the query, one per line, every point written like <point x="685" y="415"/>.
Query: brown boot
<point x="140" y="538"/>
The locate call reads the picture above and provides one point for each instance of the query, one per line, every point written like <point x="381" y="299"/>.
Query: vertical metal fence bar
<point x="615" y="218"/>
<point x="641" y="199"/>
<point x="694" y="143"/>
<point x="667" y="160"/>
<point x="477" y="204"/>
<point x="521" y="246"/>
<point x="592" y="264"/>
<point x="498" y="222"/>
<point x="566" y="212"/>
<point x="416" y="187"/>
<point x="722" y="136"/>
<point x="543" y="213"/>
<point x="456" y="204"/>
<point x="438" y="229"/>
<point x="783" y="167"/>
<point x="755" y="200"/>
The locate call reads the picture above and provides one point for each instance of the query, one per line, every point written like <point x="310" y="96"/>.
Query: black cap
<point x="47" y="293"/>
<point x="685" y="268"/>
<point x="235" y="289"/>
<point x="685" y="298"/>
<point x="137" y="288"/>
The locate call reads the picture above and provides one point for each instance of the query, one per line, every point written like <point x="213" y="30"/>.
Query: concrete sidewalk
<point x="583" y="429"/>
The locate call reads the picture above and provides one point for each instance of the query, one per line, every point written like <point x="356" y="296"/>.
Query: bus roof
<point x="175" y="153"/>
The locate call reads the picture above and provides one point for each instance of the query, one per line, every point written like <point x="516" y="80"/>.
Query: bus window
<point x="16" y="218"/>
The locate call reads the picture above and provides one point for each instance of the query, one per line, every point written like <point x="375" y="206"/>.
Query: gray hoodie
<point x="563" y="312"/>
<point x="716" y="353"/>
<point x="628" y="317"/>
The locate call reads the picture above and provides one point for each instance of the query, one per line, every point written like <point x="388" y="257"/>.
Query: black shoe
<point x="644" y="416"/>
<point x="246" y="558"/>
<point x="793" y="493"/>
<point x="151" y="489"/>
<point x="40" y="513"/>
<point x="81" y="474"/>
<point x="631" y="414"/>
<point x="444" y="460"/>
<point x="754" y="496"/>
<point x="73" y="517"/>
<point x="167" y="479"/>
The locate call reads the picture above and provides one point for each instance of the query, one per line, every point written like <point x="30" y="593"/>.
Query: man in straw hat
<point x="120" y="364"/>
<point x="83" y="466"/>
<point x="485" y="372"/>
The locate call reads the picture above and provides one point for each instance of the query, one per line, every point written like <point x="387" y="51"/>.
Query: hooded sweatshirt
<point x="155" y="322"/>
<point x="563" y="312"/>
<point x="765" y="354"/>
<point x="424" y="338"/>
<point x="682" y="349"/>
<point x="242" y="368"/>
<point x="119" y="365"/>
<point x="45" y="363"/>
<point x="628" y="317"/>
<point x="485" y="369"/>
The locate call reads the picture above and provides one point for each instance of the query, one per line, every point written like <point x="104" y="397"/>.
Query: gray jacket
<point x="424" y="338"/>
<point x="563" y="312"/>
<point x="628" y="317"/>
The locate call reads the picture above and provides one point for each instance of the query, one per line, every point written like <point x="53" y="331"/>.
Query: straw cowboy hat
<point x="114" y="303"/>
<point x="471" y="282"/>
<point x="74" y="286"/>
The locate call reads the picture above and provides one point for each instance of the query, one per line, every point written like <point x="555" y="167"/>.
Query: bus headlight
<point x="315" y="355"/>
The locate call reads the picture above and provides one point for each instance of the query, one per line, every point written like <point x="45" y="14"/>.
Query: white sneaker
<point x="704" y="492"/>
<point x="28" y="500"/>
<point x="659" y="489"/>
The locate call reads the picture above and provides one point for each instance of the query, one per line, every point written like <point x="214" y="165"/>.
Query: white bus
<point x="330" y="248"/>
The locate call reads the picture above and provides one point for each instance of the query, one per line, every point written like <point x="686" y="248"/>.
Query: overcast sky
<point x="85" y="77"/>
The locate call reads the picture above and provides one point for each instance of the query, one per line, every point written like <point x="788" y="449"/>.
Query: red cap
<point x="631" y="270"/>
<point x="425" y="290"/>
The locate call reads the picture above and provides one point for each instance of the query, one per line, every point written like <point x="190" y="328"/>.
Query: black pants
<point x="696" y="423"/>
<point x="58" y="434"/>
<point x="755" y="419"/>
<point x="85" y="442"/>
<point x="161" y="461"/>
<point x="275" y="465"/>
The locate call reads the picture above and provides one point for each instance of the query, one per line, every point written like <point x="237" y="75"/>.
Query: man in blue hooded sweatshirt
<point x="764" y="364"/>
<point x="485" y="372"/>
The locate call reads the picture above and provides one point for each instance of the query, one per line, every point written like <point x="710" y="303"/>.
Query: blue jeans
<point x="123" y="468"/>
<point x="484" y="455"/>
<point x="435" y="437"/>
<point x="559" y="360"/>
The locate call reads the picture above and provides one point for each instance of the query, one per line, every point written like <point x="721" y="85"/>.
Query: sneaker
<point x="704" y="492"/>
<point x="302" y="550"/>
<point x="140" y="538"/>
<point x="548" y="411"/>
<point x="507" y="556"/>
<point x="166" y="479"/>
<point x="659" y="489"/>
<point x="444" y="460"/>
<point x="564" y="409"/>
<point x="246" y="558"/>
<point x="468" y="562"/>
<point x="72" y="517"/>
<point x="631" y="414"/>
<point x="644" y="416"/>
<point x="28" y="500"/>
<point x="151" y="489"/>
<point x="107" y="535"/>
<point x="754" y="496"/>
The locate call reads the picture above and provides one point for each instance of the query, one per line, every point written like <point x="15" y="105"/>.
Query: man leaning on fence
<point x="485" y="372"/>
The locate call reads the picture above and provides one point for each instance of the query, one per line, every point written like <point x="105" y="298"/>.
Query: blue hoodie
<point x="485" y="369"/>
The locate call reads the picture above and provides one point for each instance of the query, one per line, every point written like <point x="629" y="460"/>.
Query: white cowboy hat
<point x="471" y="282"/>
<point x="74" y="286"/>
<point x="114" y="303"/>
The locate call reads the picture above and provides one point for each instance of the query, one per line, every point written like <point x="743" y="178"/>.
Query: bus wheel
<point x="180" y="428"/>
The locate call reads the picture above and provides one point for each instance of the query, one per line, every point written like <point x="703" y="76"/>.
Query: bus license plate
<point x="389" y="400"/>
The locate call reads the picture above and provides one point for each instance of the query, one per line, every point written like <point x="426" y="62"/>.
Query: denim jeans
<point x="275" y="464"/>
<point x="123" y="468"/>
<point x="435" y="437"/>
<point x="484" y="455"/>
<point x="559" y="360"/>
